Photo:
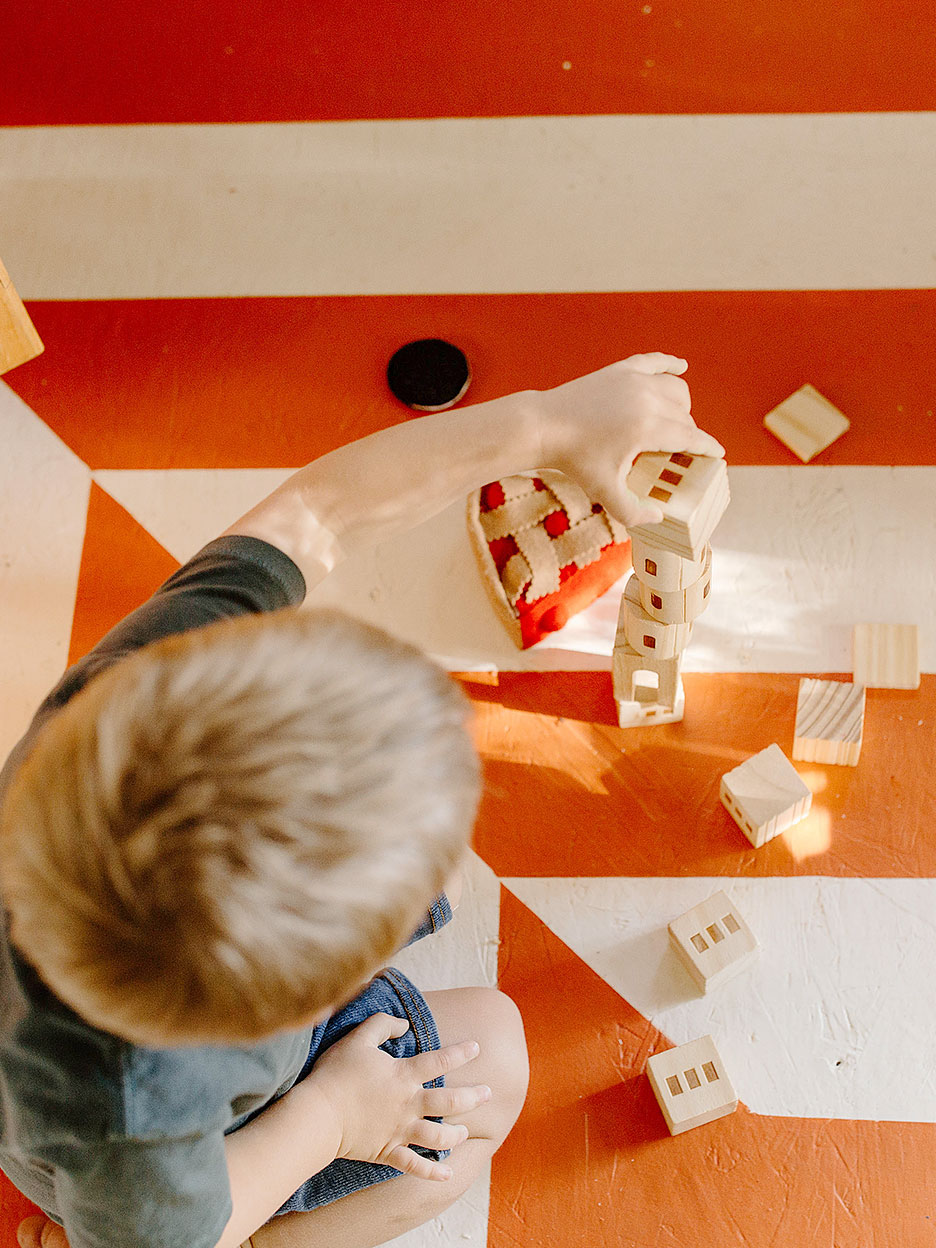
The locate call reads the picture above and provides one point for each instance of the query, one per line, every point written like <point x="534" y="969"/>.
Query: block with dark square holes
<point x="680" y="606"/>
<point x="690" y="1085"/>
<point x="545" y="550"/>
<point x="645" y="634"/>
<point x="713" y="941"/>
<point x="765" y="795"/>
<point x="663" y="571"/>
<point x="692" y="492"/>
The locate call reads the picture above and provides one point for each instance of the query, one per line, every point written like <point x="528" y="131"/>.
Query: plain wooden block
<point x="681" y="606"/>
<point x="661" y="569"/>
<point x="829" y="722"/>
<point x="765" y="795"/>
<point x="627" y="664"/>
<point x="645" y="634"/>
<point x="647" y="710"/>
<point x="886" y="656"/>
<point x="691" y="491"/>
<point x="691" y="1085"/>
<point x="713" y="941"/>
<point x="19" y="341"/>
<point x="806" y="422"/>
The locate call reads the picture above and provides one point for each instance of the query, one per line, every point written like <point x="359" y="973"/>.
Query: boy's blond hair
<point x="230" y="830"/>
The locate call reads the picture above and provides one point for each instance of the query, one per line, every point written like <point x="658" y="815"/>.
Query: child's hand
<point x="593" y="429"/>
<point x="379" y="1102"/>
<point x="38" y="1231"/>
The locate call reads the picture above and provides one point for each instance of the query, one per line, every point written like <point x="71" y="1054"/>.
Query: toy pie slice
<point x="546" y="551"/>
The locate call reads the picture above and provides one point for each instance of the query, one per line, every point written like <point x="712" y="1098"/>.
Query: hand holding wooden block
<point x="690" y="1085"/>
<point x="713" y="941"/>
<point x="691" y="491"/>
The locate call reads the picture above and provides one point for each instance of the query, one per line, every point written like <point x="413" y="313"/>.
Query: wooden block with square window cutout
<point x="691" y="1085"/>
<point x="645" y="634"/>
<point x="765" y="795"/>
<point x="662" y="570"/>
<point x="690" y="490"/>
<point x="680" y="606"/>
<point x="886" y="656"/>
<point x="829" y="722"/>
<point x="806" y="422"/>
<point x="713" y="941"/>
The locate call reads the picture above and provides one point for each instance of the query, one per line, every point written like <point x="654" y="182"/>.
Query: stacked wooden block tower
<point x="670" y="585"/>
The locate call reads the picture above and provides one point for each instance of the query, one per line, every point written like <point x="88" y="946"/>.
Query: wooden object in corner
<point x="19" y="341"/>
<point x="886" y="656"/>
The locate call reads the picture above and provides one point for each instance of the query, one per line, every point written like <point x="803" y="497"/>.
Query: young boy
<point x="222" y="823"/>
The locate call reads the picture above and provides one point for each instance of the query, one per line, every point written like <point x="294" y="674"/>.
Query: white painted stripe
<point x="799" y="557"/>
<point x="793" y="201"/>
<point x="834" y="1019"/>
<point x="44" y="489"/>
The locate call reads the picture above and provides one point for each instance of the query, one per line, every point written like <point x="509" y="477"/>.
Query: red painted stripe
<point x="229" y="383"/>
<point x="568" y="793"/>
<point x="112" y="62"/>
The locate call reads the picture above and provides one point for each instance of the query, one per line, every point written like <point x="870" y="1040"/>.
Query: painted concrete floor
<point x="220" y="272"/>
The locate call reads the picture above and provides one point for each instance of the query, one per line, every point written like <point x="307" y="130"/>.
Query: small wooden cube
<point x="806" y="422"/>
<point x="645" y="634"/>
<point x="829" y="722"/>
<point x="690" y="490"/>
<point x="19" y="341"/>
<point x="648" y="709"/>
<point x="627" y="664"/>
<point x="886" y="656"/>
<point x="765" y="795"/>
<point x="663" y="571"/>
<point x="713" y="941"/>
<point x="680" y="606"/>
<point x="690" y="1085"/>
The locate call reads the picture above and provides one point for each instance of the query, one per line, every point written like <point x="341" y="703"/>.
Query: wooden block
<point x="19" y="341"/>
<point x="662" y="570"/>
<point x="627" y="665"/>
<point x="647" y="710"/>
<point x="713" y="941"/>
<point x="682" y="606"/>
<point x="886" y="656"/>
<point x="765" y="795"/>
<point x="829" y="722"/>
<point x="645" y="634"/>
<point x="691" y="491"/>
<point x="690" y="1085"/>
<point x="806" y="422"/>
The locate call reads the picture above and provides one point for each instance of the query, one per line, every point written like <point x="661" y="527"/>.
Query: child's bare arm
<point x="591" y="428"/>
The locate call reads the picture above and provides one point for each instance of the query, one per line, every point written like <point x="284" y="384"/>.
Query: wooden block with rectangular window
<point x="713" y="941"/>
<point x="691" y="491"/>
<point x="661" y="569"/>
<point x="645" y="634"/>
<point x="806" y="422"/>
<point x="681" y="606"/>
<point x="886" y="656"/>
<point x="640" y="678"/>
<point x="829" y="722"/>
<point x="691" y="1085"/>
<point x="765" y="795"/>
<point x="19" y="341"/>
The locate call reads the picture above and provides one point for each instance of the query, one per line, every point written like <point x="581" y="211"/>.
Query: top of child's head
<point x="225" y="834"/>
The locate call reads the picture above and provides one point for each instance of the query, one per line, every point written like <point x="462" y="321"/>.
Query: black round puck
<point x="429" y="375"/>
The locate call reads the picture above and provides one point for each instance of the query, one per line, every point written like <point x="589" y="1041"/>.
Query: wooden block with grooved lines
<point x="19" y="341"/>
<point x="765" y="795"/>
<point x="886" y="656"/>
<point x="806" y="422"/>
<point x="691" y="1085"/>
<point x="829" y="722"/>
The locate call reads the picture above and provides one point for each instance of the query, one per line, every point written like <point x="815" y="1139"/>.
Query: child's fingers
<point x="440" y="1135"/>
<point x="429" y="1066"/>
<point x="380" y="1028"/>
<point x="656" y="362"/>
<point x="402" y="1158"/>
<point x="679" y="434"/>
<point x="39" y="1231"/>
<point x="443" y="1102"/>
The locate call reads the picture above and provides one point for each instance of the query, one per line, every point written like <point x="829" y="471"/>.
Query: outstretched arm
<point x="592" y="429"/>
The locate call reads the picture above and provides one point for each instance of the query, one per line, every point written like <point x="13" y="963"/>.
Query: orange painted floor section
<point x="255" y="383"/>
<point x="616" y="1176"/>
